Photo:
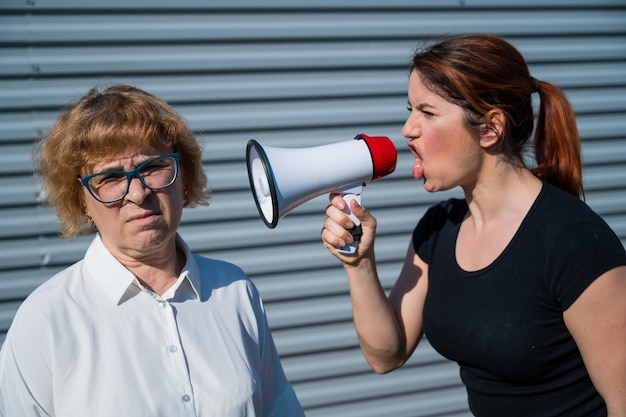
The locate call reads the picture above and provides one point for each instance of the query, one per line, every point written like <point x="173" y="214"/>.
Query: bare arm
<point x="597" y="321"/>
<point x="389" y="329"/>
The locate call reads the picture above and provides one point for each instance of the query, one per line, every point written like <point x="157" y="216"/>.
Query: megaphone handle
<point x="348" y="195"/>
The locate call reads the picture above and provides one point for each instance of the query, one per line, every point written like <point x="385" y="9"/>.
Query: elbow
<point x="382" y="370"/>
<point x="384" y="367"/>
<point x="383" y="361"/>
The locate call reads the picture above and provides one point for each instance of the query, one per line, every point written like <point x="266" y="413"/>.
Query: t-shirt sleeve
<point x="586" y="249"/>
<point x="430" y="225"/>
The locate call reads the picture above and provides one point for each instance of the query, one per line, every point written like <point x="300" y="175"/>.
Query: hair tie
<point x="535" y="83"/>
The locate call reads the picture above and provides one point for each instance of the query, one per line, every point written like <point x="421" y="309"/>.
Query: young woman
<point x="520" y="282"/>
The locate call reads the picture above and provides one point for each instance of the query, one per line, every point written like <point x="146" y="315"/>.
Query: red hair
<point x="482" y="73"/>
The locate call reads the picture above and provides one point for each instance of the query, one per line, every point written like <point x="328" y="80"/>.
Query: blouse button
<point x="186" y="398"/>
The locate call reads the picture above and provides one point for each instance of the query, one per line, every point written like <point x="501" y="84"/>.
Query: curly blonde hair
<point x="100" y="125"/>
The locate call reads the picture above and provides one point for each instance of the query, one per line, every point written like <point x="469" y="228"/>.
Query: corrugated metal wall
<point x="290" y="74"/>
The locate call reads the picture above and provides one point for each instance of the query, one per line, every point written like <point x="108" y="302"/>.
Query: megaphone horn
<point x="283" y="178"/>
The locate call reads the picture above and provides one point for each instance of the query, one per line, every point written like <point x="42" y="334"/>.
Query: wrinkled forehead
<point x="116" y="151"/>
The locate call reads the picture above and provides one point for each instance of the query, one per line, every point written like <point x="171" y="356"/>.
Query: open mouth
<point x="418" y="164"/>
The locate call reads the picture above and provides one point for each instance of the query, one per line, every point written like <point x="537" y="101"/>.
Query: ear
<point x="492" y="132"/>
<point x="87" y="216"/>
<point x="85" y="209"/>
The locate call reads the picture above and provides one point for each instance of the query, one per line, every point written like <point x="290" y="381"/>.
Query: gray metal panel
<point x="291" y="74"/>
<point x="329" y="5"/>
<point x="219" y="26"/>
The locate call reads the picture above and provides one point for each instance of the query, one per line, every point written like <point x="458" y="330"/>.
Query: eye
<point x="106" y="178"/>
<point x="156" y="167"/>
<point x="148" y="169"/>
<point x="422" y="108"/>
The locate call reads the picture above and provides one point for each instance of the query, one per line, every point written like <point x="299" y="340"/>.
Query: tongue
<point x="418" y="168"/>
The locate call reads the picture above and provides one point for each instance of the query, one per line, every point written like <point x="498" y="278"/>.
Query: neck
<point x="159" y="277"/>
<point x="504" y="192"/>
<point x="157" y="270"/>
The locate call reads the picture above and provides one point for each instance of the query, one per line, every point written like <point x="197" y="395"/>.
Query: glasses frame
<point x="135" y="173"/>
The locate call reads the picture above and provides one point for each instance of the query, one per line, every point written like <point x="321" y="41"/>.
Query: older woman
<point x="519" y="282"/>
<point x="140" y="326"/>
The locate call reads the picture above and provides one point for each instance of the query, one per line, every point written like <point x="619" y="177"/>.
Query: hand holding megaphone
<point x="283" y="178"/>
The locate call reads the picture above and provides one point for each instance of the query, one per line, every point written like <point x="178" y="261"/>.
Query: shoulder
<point x="448" y="211"/>
<point x="576" y="244"/>
<point x="219" y="271"/>
<point x="570" y="229"/>
<point x="224" y="277"/>
<point x="49" y="295"/>
<point x="450" y="206"/>
<point x="441" y="219"/>
<point x="219" y="267"/>
<point x="45" y="313"/>
<point x="564" y="216"/>
<point x="563" y="206"/>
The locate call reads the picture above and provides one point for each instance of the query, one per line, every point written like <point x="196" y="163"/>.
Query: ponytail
<point x="556" y="142"/>
<point x="480" y="73"/>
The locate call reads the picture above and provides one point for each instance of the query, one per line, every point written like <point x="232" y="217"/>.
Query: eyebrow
<point x="118" y="166"/>
<point x="421" y="106"/>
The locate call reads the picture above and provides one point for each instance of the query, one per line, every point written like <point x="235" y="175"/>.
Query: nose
<point x="137" y="192"/>
<point x="411" y="128"/>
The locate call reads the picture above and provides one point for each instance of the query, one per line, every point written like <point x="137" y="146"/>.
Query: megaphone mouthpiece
<point x="384" y="154"/>
<point x="283" y="178"/>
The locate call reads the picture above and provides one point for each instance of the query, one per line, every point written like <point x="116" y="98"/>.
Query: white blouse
<point x="92" y="341"/>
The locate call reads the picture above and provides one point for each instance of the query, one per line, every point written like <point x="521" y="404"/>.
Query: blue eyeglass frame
<point x="130" y="175"/>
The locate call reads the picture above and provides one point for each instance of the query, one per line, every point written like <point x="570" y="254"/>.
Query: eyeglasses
<point x="111" y="186"/>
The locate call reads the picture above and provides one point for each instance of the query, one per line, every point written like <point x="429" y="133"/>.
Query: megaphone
<point x="283" y="178"/>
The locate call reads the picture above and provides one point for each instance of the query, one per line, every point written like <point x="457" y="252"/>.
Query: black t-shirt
<point x="504" y="324"/>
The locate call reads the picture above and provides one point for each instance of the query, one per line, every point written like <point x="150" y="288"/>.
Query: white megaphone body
<point x="283" y="178"/>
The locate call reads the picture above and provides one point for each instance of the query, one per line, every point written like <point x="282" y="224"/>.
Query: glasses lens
<point x="108" y="186"/>
<point x="159" y="173"/>
<point x="155" y="174"/>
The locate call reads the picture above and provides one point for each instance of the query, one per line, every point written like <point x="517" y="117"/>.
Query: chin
<point x="153" y="237"/>
<point x="429" y="186"/>
<point x="435" y="188"/>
